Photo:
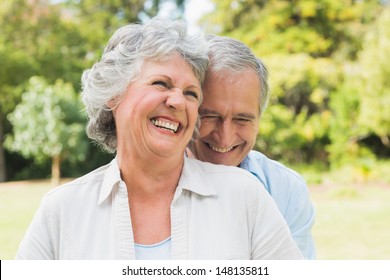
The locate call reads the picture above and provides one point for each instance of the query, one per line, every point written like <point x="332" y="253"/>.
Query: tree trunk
<point x="3" y="170"/>
<point x="56" y="170"/>
<point x="385" y="140"/>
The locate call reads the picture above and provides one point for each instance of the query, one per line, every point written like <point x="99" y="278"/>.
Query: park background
<point x="328" y="117"/>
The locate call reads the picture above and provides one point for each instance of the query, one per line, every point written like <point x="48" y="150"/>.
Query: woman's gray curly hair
<point x="121" y="62"/>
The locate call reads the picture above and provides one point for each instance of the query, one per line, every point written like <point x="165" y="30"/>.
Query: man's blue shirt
<point x="289" y="190"/>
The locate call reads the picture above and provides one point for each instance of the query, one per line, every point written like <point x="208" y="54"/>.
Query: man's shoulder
<point x="269" y="170"/>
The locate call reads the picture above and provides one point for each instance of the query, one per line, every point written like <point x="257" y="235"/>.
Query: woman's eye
<point x="161" y="83"/>
<point x="192" y="94"/>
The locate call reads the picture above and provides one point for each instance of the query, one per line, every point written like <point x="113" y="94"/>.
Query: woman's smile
<point x="165" y="124"/>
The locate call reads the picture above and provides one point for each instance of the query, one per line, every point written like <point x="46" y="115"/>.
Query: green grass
<point x="351" y="222"/>
<point x="18" y="203"/>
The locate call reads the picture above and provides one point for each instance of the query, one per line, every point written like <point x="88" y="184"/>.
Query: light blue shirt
<point x="291" y="195"/>
<point x="158" y="251"/>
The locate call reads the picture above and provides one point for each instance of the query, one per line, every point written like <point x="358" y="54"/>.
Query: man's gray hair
<point x="230" y="55"/>
<point x="121" y="63"/>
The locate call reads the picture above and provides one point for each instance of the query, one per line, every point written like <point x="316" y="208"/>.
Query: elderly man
<point x="235" y="95"/>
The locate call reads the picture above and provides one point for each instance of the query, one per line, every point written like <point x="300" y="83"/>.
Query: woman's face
<point x="159" y="110"/>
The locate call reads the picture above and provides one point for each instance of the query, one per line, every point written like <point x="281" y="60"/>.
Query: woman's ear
<point x="112" y="103"/>
<point x="111" y="106"/>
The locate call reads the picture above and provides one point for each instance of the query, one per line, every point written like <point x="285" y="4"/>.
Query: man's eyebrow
<point x="205" y="111"/>
<point x="246" y="115"/>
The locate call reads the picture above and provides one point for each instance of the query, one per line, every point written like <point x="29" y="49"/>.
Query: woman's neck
<point x="151" y="183"/>
<point x="150" y="176"/>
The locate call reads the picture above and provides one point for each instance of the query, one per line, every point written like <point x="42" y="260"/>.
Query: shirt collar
<point x="111" y="179"/>
<point x="192" y="178"/>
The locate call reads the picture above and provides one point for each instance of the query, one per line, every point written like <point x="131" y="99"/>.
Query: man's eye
<point x="241" y="120"/>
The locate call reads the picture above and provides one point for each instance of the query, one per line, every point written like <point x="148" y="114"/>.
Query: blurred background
<point x="328" y="117"/>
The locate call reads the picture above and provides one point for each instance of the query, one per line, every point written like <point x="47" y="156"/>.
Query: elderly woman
<point x="151" y="202"/>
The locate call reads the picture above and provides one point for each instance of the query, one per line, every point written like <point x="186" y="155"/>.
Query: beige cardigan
<point x="218" y="212"/>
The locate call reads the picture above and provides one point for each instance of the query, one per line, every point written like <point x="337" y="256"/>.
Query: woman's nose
<point x="176" y="99"/>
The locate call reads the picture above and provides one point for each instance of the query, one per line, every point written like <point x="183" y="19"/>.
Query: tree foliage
<point x="374" y="89"/>
<point x="36" y="39"/>
<point x="12" y="61"/>
<point x="48" y="124"/>
<point x="361" y="102"/>
<point x="318" y="28"/>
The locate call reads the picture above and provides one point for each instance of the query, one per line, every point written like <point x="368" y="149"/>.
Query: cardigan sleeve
<point x="37" y="243"/>
<point x="271" y="237"/>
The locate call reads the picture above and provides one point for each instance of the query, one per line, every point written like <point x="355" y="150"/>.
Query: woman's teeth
<point x="166" y="125"/>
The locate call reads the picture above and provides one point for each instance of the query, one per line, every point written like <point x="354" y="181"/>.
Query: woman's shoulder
<point x="80" y="189"/>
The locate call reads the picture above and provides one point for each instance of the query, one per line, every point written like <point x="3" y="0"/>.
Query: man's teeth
<point x="166" y="125"/>
<point x="221" y="150"/>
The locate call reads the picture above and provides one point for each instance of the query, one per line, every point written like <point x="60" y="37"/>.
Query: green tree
<point x="36" y="39"/>
<point x="318" y="28"/>
<point x="45" y="32"/>
<point x="12" y="61"/>
<point x="99" y="19"/>
<point x="360" y="104"/>
<point x="294" y="127"/>
<point x="48" y="124"/>
<point x="374" y="83"/>
<point x="344" y="132"/>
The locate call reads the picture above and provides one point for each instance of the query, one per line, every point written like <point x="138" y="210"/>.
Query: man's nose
<point x="225" y="132"/>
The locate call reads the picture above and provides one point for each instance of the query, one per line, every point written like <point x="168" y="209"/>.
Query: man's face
<point x="229" y="118"/>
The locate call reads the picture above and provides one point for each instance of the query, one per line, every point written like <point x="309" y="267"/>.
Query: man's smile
<point x="221" y="149"/>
